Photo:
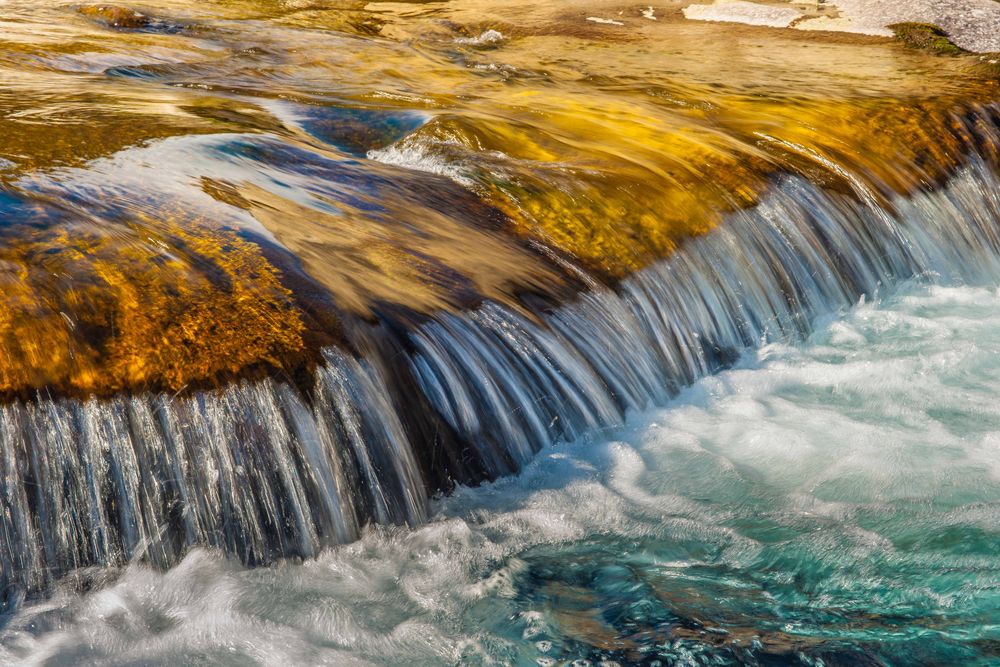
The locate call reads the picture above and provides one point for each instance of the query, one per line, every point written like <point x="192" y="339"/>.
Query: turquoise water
<point x="835" y="502"/>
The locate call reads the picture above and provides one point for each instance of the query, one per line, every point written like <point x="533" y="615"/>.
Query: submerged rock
<point x="115" y="16"/>
<point x="128" y="19"/>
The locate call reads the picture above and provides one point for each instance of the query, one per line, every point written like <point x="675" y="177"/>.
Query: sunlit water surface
<point x="199" y="190"/>
<point x="834" y="502"/>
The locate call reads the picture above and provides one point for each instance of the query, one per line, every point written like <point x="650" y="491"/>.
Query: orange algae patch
<point x="89" y="313"/>
<point x="610" y="187"/>
<point x="617" y="224"/>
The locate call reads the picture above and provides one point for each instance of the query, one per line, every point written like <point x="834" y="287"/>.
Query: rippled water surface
<point x="202" y="190"/>
<point x="834" y="502"/>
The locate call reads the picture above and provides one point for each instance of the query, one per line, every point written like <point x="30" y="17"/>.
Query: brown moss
<point x="926" y="37"/>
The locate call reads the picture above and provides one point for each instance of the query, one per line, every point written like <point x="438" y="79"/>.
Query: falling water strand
<point x="262" y="471"/>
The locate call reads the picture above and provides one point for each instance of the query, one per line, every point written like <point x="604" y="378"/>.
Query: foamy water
<point x="835" y="500"/>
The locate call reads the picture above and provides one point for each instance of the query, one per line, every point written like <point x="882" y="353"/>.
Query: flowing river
<point x="336" y="332"/>
<point x="833" y="502"/>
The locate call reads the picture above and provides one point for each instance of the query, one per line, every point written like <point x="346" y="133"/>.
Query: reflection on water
<point x="393" y="159"/>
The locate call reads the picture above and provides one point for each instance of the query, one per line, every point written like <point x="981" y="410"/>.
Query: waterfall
<point x="264" y="470"/>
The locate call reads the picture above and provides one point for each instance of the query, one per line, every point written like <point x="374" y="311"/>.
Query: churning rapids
<point x="835" y="502"/>
<point x="347" y="332"/>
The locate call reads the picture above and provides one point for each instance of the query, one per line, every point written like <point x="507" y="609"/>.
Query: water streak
<point x="263" y="470"/>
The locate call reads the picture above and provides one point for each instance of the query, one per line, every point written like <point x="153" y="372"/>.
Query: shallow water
<point x="352" y="154"/>
<point x="832" y="502"/>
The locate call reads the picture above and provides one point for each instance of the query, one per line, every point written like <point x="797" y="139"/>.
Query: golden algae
<point x="86" y="311"/>
<point x="602" y="184"/>
<point x="896" y="148"/>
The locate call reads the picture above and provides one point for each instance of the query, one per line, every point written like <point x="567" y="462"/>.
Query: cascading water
<point x="354" y="333"/>
<point x="262" y="471"/>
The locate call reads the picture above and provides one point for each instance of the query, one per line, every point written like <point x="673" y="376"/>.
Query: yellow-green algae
<point x="926" y="36"/>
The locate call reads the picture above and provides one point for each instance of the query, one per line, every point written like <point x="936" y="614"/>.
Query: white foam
<point x="598" y="19"/>
<point x="486" y="37"/>
<point x="412" y="154"/>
